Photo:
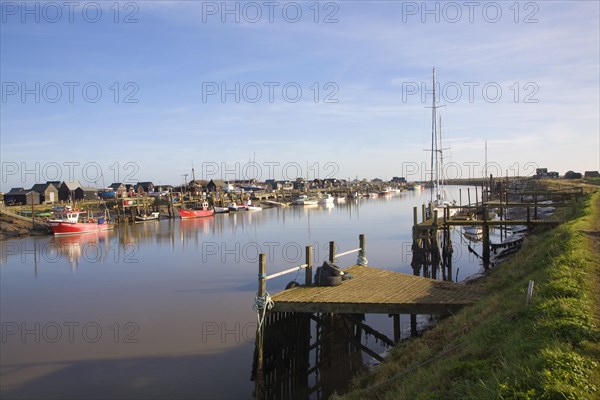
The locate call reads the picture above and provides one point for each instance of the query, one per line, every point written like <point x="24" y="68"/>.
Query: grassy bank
<point x="500" y="348"/>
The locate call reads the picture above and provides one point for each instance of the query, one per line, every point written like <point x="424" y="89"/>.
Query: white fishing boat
<point x="340" y="199"/>
<point x="327" y="199"/>
<point x="221" y="210"/>
<point x="154" y="216"/>
<point x="304" y="200"/>
<point x="236" y="207"/>
<point x="473" y="231"/>
<point x="252" y="207"/>
<point x="388" y="191"/>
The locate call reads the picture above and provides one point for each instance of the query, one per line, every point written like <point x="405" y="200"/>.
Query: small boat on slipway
<point x="252" y="207"/>
<point x="197" y="212"/>
<point x="66" y="222"/>
<point x="147" y="217"/>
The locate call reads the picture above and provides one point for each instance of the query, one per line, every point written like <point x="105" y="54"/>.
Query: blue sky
<point x="189" y="83"/>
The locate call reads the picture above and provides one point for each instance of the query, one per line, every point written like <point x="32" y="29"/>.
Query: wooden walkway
<point x="378" y="291"/>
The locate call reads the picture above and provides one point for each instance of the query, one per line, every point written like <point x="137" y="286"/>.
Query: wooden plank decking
<point x="378" y="291"/>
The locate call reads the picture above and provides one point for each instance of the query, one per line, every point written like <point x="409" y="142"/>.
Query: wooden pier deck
<point x="378" y="291"/>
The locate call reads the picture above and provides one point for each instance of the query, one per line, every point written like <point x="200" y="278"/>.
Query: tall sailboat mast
<point x="441" y="163"/>
<point x="433" y="142"/>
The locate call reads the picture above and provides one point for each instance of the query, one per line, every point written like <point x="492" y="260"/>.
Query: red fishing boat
<point x="198" y="212"/>
<point x="66" y="222"/>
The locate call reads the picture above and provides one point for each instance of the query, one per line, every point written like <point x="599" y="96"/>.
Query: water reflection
<point x="92" y="247"/>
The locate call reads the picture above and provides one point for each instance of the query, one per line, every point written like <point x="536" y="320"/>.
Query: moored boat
<point x="327" y="199"/>
<point x="253" y="207"/>
<point x="474" y="231"/>
<point x="197" y="212"/>
<point x="388" y="191"/>
<point x="154" y="216"/>
<point x="304" y="200"/>
<point x="236" y="207"/>
<point x="67" y="222"/>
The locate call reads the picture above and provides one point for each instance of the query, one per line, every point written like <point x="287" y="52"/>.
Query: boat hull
<point x="70" y="228"/>
<point x="188" y="214"/>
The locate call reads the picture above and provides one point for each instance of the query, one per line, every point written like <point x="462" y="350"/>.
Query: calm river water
<point x="164" y="309"/>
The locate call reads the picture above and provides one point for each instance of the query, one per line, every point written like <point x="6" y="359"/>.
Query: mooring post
<point x="332" y="251"/>
<point x="308" y="272"/>
<point x="415" y="216"/>
<point x="476" y="196"/>
<point x="469" y="197"/>
<point x="423" y="218"/>
<point x="361" y="243"/>
<point x="486" y="239"/>
<point x="397" y="328"/>
<point x="362" y="254"/>
<point x="262" y="283"/>
<point x="460" y="197"/>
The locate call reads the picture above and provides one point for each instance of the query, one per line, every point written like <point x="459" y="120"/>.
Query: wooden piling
<point x="332" y="251"/>
<point x="486" y="239"/>
<point x="415" y="218"/>
<point x="259" y="384"/>
<point x="308" y="269"/>
<point x="397" y="333"/>
<point x="362" y="243"/>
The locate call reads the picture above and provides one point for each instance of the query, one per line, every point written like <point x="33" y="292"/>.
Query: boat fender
<point x="331" y="268"/>
<point x="292" y="284"/>
<point x="324" y="278"/>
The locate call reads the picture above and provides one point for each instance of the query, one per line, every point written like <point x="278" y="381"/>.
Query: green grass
<point x="500" y="348"/>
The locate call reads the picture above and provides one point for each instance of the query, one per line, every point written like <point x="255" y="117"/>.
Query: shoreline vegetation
<point x="502" y="348"/>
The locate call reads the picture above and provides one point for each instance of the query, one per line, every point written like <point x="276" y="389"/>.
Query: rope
<point x="362" y="260"/>
<point x="263" y="304"/>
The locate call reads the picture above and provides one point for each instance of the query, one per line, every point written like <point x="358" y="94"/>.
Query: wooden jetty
<point x="378" y="291"/>
<point x="369" y="291"/>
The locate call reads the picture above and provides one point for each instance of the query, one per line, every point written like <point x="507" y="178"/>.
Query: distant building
<point x="541" y="173"/>
<point x="215" y="185"/>
<point x="553" y="174"/>
<point x="591" y="174"/>
<point x="119" y="188"/>
<point x="48" y="192"/>
<point x="19" y="196"/>
<point x="398" y="179"/>
<point x="197" y="186"/>
<point x="272" y="184"/>
<point x="66" y="190"/>
<point x="146" y="187"/>
<point x="573" y="175"/>
<point x="86" y="193"/>
<point x="331" y="182"/>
